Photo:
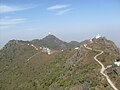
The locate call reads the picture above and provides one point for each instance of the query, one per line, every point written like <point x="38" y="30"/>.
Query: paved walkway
<point x="103" y="67"/>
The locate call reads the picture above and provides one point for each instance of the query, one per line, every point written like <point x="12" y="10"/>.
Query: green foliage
<point x="81" y="79"/>
<point x="61" y="82"/>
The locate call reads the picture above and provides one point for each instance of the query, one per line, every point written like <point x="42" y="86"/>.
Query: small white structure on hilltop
<point x="46" y="50"/>
<point x="40" y="47"/>
<point x="117" y="63"/>
<point x="49" y="33"/>
<point x="77" y="48"/>
<point x="98" y="36"/>
<point x="62" y="50"/>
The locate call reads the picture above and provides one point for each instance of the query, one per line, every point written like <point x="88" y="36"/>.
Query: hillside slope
<point x="62" y="70"/>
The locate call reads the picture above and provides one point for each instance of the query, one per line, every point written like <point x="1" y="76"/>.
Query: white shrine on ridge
<point x="49" y="33"/>
<point x="98" y="36"/>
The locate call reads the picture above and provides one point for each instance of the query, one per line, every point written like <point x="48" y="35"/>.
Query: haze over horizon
<point x="68" y="20"/>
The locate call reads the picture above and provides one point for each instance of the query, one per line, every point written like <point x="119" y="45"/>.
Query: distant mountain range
<point x="49" y="41"/>
<point x="53" y="42"/>
<point x="25" y="65"/>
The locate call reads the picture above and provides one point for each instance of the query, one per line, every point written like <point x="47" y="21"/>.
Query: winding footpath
<point x="103" y="67"/>
<point x="32" y="57"/>
<point x="34" y="54"/>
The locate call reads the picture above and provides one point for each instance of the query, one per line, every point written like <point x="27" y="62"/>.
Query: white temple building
<point x="47" y="50"/>
<point x="117" y="63"/>
<point x="49" y="33"/>
<point x="98" y="36"/>
<point x="76" y="48"/>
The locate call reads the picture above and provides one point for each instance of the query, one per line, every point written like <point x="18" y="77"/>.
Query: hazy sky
<point x="67" y="19"/>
